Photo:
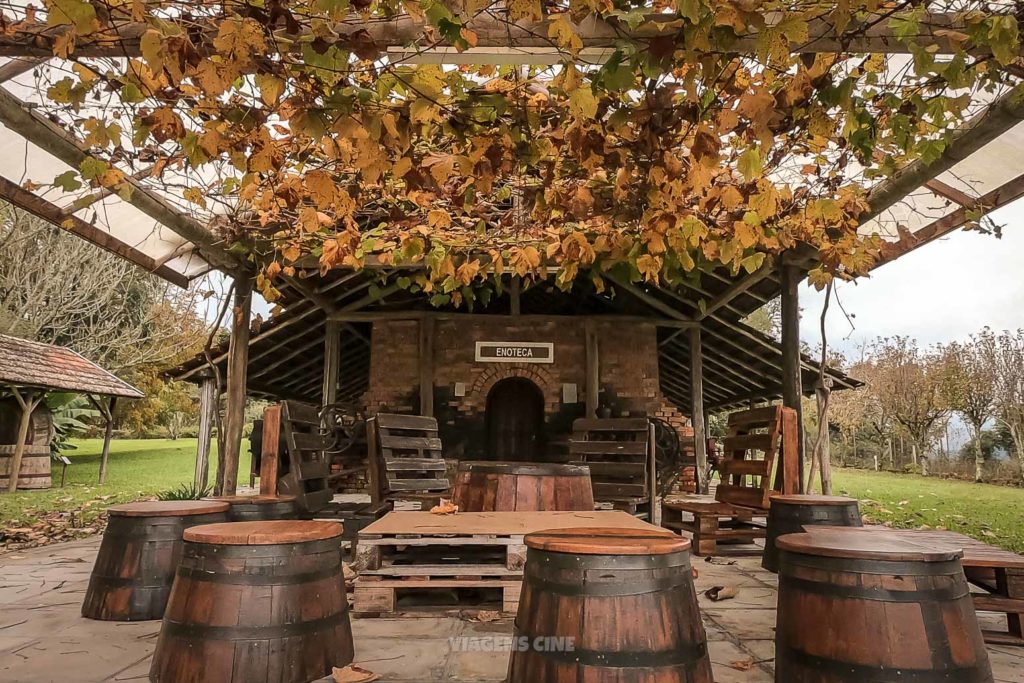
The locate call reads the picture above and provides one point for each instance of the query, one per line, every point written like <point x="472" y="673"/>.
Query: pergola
<point x="709" y="358"/>
<point x="29" y="370"/>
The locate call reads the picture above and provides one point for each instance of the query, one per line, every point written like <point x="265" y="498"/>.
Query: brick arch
<point x="494" y="373"/>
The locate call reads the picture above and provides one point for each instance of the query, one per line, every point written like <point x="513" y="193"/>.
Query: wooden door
<point x="515" y="421"/>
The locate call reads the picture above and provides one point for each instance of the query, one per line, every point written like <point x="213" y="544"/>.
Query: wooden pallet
<point x="468" y="557"/>
<point x="715" y="523"/>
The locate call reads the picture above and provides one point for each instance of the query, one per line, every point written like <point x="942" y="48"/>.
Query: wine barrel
<point x="34" y="472"/>
<point x="258" y="508"/>
<point x="255" y="602"/>
<point x="516" y="486"/>
<point x="608" y="605"/>
<point x="859" y="606"/>
<point x="789" y="514"/>
<point x="134" y="570"/>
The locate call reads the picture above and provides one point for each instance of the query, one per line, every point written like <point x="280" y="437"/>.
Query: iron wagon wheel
<point x="342" y="424"/>
<point x="666" y="454"/>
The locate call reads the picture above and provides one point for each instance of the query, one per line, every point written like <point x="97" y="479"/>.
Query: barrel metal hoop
<point x="680" y="656"/>
<point x="214" y="551"/>
<point x="268" y="632"/>
<point x="258" y="579"/>
<point x="606" y="589"/>
<point x="555" y="560"/>
<point x="865" y="672"/>
<point x="949" y="594"/>
<point x="894" y="568"/>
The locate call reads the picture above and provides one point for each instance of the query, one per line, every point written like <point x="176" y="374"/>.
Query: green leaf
<point x="92" y="168"/>
<point x="68" y="181"/>
<point x="750" y="164"/>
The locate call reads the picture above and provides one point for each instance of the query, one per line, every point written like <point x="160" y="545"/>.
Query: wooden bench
<point x="620" y="455"/>
<point x="737" y="512"/>
<point x="998" y="572"/>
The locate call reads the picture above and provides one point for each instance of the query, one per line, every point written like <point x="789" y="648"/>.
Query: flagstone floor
<point x="43" y="638"/>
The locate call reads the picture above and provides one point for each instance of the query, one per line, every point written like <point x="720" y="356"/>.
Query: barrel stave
<point x="511" y="487"/>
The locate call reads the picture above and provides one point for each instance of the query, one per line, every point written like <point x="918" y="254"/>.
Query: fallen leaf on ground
<point x="742" y="664"/>
<point x="353" y="674"/>
<point x="445" y="508"/>
<point x="719" y="593"/>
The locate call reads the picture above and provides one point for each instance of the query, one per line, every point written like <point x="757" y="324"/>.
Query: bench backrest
<point x="308" y="464"/>
<point x="617" y="451"/>
<point x="758" y="440"/>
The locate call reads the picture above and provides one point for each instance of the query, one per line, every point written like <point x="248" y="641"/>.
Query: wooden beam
<point x="37" y="206"/>
<point x="271" y="453"/>
<point x="951" y="193"/>
<point x="51" y="138"/>
<point x="332" y="361"/>
<point x="86" y="201"/>
<point x="207" y="417"/>
<point x="314" y="341"/>
<point x="999" y="117"/>
<point x="700" y="444"/>
<point x="1001" y="196"/>
<point x="792" y="382"/>
<point x="739" y="288"/>
<point x="680" y="367"/>
<point x="874" y="33"/>
<point x="234" y="409"/>
<point x="651" y="301"/>
<point x="592" y="389"/>
<point x="18" y="66"/>
<point x="426" y="363"/>
<point x="727" y="391"/>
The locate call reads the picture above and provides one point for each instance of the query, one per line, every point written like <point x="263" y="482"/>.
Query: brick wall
<point x="628" y="368"/>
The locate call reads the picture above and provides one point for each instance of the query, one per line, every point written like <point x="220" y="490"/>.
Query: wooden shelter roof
<point x="36" y="365"/>
<point x="741" y="363"/>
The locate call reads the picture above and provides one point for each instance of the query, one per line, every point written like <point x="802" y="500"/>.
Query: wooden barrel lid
<point x="271" y="532"/>
<point x="168" y="508"/>
<point x="254" y="499"/>
<point x="809" y="499"/>
<point x="607" y="541"/>
<point x="527" y="468"/>
<point x="860" y="543"/>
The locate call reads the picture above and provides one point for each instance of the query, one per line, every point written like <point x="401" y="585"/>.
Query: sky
<point x="944" y="291"/>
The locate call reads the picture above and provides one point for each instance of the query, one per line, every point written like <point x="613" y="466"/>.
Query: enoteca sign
<point x="515" y="352"/>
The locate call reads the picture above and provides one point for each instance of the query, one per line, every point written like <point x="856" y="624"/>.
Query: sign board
<point x="515" y="352"/>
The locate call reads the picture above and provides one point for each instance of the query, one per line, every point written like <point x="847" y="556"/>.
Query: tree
<point x="909" y="384"/>
<point x="970" y="387"/>
<point x="1007" y="353"/>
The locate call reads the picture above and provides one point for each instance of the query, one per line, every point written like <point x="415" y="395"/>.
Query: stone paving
<point x="43" y="638"/>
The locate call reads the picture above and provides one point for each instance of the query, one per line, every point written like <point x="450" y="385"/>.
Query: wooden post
<point x="652" y="474"/>
<point x="700" y="443"/>
<point x="332" y="362"/>
<point x="28" y="403"/>
<point x="271" y="449"/>
<point x="593" y="387"/>
<point x="108" y="432"/>
<point x="238" y="360"/>
<point x="515" y="288"/>
<point x="207" y="417"/>
<point x="792" y="385"/>
<point x="427" y="366"/>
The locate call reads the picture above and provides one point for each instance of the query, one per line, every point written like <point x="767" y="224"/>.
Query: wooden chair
<point x="405" y="462"/>
<point x="620" y="455"/>
<point x="758" y="440"/>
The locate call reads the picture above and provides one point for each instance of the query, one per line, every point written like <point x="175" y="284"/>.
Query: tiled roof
<point x="26" y="363"/>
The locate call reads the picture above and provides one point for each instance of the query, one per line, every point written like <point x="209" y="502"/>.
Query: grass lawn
<point x="994" y="514"/>
<point x="137" y="469"/>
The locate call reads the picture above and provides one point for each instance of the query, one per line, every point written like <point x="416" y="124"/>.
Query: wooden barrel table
<point x="141" y="546"/>
<point x="255" y="602"/>
<point x="789" y="514"/>
<point x="608" y="606"/>
<point x="864" y="606"/>
<point x="521" y="486"/>
<point x="259" y="508"/>
<point x="34" y="472"/>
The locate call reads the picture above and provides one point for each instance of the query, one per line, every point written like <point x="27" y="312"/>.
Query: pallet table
<point x="426" y="553"/>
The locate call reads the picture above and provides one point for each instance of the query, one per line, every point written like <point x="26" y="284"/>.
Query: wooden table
<point x="998" y="572"/>
<point x="470" y="550"/>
